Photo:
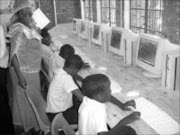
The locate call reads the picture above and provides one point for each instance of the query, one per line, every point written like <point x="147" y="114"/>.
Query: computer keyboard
<point x="156" y="118"/>
<point x="160" y="121"/>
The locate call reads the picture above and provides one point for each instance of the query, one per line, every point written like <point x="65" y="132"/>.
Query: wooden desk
<point x="128" y="77"/>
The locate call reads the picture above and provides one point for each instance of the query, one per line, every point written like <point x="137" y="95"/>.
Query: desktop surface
<point x="128" y="78"/>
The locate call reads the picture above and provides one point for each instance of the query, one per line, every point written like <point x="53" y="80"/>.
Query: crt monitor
<point x="130" y="45"/>
<point x="117" y="40"/>
<point x="105" y="37"/>
<point x="83" y="33"/>
<point x="150" y="49"/>
<point x="96" y="36"/>
<point x="171" y="70"/>
<point x="97" y="32"/>
<point x="75" y="24"/>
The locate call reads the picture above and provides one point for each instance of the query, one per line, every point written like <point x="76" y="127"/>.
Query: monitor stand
<point x="151" y="75"/>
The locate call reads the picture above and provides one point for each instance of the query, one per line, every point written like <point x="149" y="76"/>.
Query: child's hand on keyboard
<point x="127" y="106"/>
<point x="130" y="118"/>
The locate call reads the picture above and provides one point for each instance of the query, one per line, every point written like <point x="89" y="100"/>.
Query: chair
<point x="59" y="123"/>
<point x="45" y="82"/>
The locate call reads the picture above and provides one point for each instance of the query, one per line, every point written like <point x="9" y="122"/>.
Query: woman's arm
<point x="21" y="79"/>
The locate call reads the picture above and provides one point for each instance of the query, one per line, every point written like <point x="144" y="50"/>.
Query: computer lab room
<point x="90" y="67"/>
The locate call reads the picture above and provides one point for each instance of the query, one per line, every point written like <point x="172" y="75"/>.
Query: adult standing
<point x="25" y="64"/>
<point x="5" y="112"/>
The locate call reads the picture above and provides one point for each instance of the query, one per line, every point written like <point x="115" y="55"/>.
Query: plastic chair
<point x="59" y="123"/>
<point x="45" y="82"/>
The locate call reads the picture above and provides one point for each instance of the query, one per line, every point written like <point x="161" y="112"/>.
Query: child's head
<point x="46" y="38"/>
<point x="97" y="87"/>
<point x="66" y="51"/>
<point x="73" y="64"/>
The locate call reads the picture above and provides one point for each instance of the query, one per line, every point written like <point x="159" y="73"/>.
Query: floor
<point x="128" y="77"/>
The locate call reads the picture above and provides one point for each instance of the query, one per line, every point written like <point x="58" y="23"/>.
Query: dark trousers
<point x="5" y="113"/>
<point x="71" y="114"/>
<point x="124" y="130"/>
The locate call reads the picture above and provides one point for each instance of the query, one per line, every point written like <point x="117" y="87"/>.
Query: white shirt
<point x="59" y="96"/>
<point x="57" y="62"/>
<point x="92" y="117"/>
<point x="4" y="53"/>
<point x="52" y="59"/>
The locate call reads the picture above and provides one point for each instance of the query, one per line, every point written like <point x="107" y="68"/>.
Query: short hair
<point x="45" y="33"/>
<point x="95" y="85"/>
<point x="66" y="51"/>
<point x="73" y="61"/>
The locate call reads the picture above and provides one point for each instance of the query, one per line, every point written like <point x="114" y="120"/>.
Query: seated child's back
<point x="92" y="111"/>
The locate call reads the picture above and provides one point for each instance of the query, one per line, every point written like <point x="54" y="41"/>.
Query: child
<point x="61" y="90"/>
<point x="46" y="38"/>
<point x="92" y="111"/>
<point x="66" y="51"/>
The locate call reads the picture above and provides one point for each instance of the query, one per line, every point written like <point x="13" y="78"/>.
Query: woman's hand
<point x="22" y="82"/>
<point x="127" y="106"/>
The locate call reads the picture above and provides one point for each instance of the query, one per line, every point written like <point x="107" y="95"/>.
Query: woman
<point x="25" y="63"/>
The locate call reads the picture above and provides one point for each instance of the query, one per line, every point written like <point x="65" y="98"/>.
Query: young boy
<point x="92" y="111"/>
<point x="61" y="90"/>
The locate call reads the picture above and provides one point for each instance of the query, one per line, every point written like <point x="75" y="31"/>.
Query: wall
<point x="171" y="20"/>
<point x="67" y="10"/>
<point x="48" y="9"/>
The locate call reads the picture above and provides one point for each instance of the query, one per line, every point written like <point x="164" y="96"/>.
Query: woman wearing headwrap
<point x="25" y="63"/>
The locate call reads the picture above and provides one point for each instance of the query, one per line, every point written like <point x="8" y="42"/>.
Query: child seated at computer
<point x="47" y="40"/>
<point x="67" y="50"/>
<point x="61" y="91"/>
<point x="92" y="111"/>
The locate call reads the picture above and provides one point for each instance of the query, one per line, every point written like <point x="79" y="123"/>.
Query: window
<point x="108" y="12"/>
<point x="146" y="16"/>
<point x="88" y="10"/>
<point x="112" y="12"/>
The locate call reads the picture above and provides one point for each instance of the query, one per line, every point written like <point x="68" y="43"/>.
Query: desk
<point x="128" y="77"/>
<point x="114" y="114"/>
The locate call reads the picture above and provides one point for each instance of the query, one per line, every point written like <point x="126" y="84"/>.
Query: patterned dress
<point x="26" y="45"/>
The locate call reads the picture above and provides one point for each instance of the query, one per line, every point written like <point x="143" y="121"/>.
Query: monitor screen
<point x="74" y="25"/>
<point x="96" y="32"/>
<point x="82" y="27"/>
<point x="147" y="51"/>
<point x="116" y="39"/>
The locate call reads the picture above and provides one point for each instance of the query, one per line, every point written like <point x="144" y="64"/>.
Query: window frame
<point x="150" y="17"/>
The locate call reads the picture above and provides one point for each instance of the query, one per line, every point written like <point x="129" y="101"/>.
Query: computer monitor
<point x="75" y="23"/>
<point x="171" y="70"/>
<point x="130" y="47"/>
<point x="96" y="33"/>
<point x="117" y="40"/>
<point x="150" y="50"/>
<point x="105" y="38"/>
<point x="83" y="33"/>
